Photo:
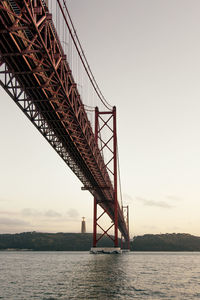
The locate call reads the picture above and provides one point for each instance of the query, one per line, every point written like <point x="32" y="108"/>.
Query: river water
<point x="80" y="275"/>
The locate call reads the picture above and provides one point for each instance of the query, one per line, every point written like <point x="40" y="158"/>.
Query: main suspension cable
<point x="82" y="55"/>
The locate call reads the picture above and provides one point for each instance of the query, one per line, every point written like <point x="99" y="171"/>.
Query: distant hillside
<point x="82" y="242"/>
<point x="166" y="242"/>
<point x="50" y="241"/>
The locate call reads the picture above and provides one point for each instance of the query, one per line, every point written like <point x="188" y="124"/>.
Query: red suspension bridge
<point x="44" y="70"/>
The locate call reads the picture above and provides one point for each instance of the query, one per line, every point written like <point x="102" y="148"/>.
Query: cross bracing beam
<point x="35" y="73"/>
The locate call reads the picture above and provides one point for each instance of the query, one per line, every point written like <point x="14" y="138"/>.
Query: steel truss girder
<point x="29" y="109"/>
<point x="42" y="72"/>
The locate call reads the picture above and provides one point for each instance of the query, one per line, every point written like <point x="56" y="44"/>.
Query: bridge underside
<point x="35" y="73"/>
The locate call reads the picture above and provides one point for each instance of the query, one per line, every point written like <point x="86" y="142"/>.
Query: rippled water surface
<point x="80" y="275"/>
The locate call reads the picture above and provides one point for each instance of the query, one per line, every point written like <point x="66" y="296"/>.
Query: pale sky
<point x="145" y="55"/>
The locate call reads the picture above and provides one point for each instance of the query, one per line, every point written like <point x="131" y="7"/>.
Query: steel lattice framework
<point x="35" y="73"/>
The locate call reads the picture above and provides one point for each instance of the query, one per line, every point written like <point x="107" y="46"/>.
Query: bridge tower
<point x="106" y="121"/>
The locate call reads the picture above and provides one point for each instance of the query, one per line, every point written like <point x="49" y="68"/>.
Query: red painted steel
<point x="95" y="201"/>
<point x="35" y="73"/>
<point x="106" y="118"/>
<point x="115" y="174"/>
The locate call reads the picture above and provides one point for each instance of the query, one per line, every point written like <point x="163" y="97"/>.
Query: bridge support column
<point x="125" y="243"/>
<point x="115" y="173"/>
<point x="95" y="224"/>
<point x="107" y="121"/>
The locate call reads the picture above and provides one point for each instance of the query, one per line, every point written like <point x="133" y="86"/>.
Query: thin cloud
<point x="8" y="213"/>
<point x="13" y="222"/>
<point x="148" y="202"/>
<point x="52" y="214"/>
<point x="29" y="212"/>
<point x="72" y="213"/>
<point x="173" y="198"/>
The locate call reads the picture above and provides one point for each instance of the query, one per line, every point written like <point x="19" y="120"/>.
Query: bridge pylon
<point x="125" y="243"/>
<point x="106" y="121"/>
